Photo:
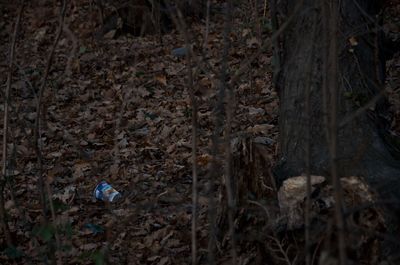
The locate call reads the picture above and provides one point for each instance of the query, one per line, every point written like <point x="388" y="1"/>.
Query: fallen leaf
<point x="261" y="128"/>
<point x="89" y="246"/>
<point x="163" y="261"/>
<point x="162" y="79"/>
<point x="80" y="168"/>
<point x="67" y="195"/>
<point x="353" y="41"/>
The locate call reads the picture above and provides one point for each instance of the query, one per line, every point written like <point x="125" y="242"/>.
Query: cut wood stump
<point x="272" y="220"/>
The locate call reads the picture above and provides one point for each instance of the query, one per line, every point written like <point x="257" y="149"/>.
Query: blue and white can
<point x="105" y="192"/>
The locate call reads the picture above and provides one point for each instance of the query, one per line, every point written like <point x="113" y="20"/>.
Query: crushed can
<point x="105" y="192"/>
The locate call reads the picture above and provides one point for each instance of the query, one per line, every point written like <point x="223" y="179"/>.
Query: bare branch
<point x="307" y="86"/>
<point x="332" y="77"/>
<point x="181" y="25"/>
<point x="228" y="128"/>
<point x="4" y="224"/>
<point x="43" y="185"/>
<point x="74" y="50"/>
<point x="205" y="43"/>
<point x="246" y="64"/>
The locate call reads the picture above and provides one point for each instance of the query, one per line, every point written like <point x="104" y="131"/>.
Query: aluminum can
<point x="105" y="192"/>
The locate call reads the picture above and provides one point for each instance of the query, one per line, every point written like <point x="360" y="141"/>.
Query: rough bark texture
<point x="364" y="146"/>
<point x="250" y="181"/>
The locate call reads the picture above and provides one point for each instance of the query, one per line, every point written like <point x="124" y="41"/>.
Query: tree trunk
<point x="364" y="148"/>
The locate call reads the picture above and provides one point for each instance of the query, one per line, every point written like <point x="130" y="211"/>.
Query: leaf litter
<point x="123" y="114"/>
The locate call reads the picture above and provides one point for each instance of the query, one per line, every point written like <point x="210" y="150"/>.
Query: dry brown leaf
<point x="253" y="42"/>
<point x="89" y="246"/>
<point x="154" y="258"/>
<point x="203" y="160"/>
<point x="353" y="41"/>
<point x="67" y="194"/>
<point x="163" y="261"/>
<point x="261" y="128"/>
<point x="80" y="168"/>
<point x="162" y="79"/>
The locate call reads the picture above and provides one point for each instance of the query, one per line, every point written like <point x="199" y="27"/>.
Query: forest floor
<point x="118" y="109"/>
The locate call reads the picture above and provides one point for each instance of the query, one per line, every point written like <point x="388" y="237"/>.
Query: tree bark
<point x="364" y="145"/>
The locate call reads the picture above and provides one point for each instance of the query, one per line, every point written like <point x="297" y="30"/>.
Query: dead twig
<point x="215" y="139"/>
<point x="44" y="186"/>
<point x="262" y="207"/>
<point x="74" y="50"/>
<point x="281" y="250"/>
<point x="332" y="77"/>
<point x="205" y="43"/>
<point x="228" y="128"/>
<point x="307" y="85"/>
<point x="246" y="64"/>
<point x="181" y="25"/>
<point x="39" y="107"/>
<point x="4" y="224"/>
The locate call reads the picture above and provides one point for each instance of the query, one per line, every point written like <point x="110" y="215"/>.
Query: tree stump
<point x="252" y="182"/>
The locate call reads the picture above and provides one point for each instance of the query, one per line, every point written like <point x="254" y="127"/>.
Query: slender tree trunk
<point x="364" y="146"/>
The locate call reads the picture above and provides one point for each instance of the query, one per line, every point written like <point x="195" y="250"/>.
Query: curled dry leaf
<point x="67" y="195"/>
<point x="261" y="128"/>
<point x="162" y="79"/>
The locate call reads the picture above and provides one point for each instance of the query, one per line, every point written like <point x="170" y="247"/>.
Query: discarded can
<point x="105" y="192"/>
